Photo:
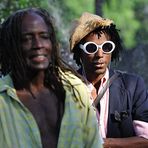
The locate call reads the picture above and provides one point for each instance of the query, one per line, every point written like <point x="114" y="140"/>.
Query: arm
<point x="140" y="112"/>
<point x="130" y="142"/>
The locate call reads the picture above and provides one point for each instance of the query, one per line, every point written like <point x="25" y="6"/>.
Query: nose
<point x="36" y="43"/>
<point x="99" y="53"/>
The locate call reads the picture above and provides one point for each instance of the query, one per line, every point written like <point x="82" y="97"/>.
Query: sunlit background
<point x="131" y="18"/>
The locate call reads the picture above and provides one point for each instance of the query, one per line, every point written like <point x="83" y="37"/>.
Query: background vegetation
<point x="131" y="17"/>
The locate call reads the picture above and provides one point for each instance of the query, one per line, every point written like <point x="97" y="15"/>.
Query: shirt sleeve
<point x="141" y="128"/>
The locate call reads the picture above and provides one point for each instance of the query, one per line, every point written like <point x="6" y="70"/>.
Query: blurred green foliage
<point x="74" y="8"/>
<point x="123" y="14"/>
<point x="65" y="11"/>
<point x="9" y="6"/>
<point x="131" y="17"/>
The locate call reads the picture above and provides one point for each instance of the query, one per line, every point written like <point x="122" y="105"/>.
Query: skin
<point x="95" y="67"/>
<point x="95" y="64"/>
<point x="35" y="42"/>
<point x="37" y="48"/>
<point x="129" y="142"/>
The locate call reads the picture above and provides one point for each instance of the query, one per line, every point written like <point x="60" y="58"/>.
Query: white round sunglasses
<point x="92" y="48"/>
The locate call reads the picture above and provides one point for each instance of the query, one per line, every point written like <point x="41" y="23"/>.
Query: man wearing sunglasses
<point x="120" y="98"/>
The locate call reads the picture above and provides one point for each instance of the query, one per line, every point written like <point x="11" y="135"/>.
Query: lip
<point x="37" y="53"/>
<point x="98" y="61"/>
<point x="98" y="64"/>
<point x="38" y="57"/>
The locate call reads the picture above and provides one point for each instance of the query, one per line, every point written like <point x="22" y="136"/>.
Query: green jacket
<point x="18" y="128"/>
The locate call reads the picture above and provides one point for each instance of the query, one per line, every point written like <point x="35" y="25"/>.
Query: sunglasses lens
<point x="91" y="48"/>
<point x="107" y="47"/>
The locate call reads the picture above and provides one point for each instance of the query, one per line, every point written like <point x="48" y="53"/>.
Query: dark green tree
<point x="122" y="12"/>
<point x="98" y="6"/>
<point x="9" y="6"/>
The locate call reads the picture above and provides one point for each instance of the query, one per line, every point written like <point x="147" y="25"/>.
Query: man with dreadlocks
<point x="42" y="104"/>
<point x="121" y="98"/>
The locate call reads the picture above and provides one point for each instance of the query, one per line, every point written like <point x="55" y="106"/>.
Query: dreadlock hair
<point x="12" y="59"/>
<point x="113" y="34"/>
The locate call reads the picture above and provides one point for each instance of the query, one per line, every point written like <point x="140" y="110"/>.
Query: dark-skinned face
<point x="96" y="64"/>
<point x="36" y="44"/>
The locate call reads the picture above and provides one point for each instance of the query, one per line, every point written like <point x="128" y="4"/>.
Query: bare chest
<point x="47" y="110"/>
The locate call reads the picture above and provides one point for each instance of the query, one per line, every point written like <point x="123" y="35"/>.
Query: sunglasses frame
<point x="83" y="47"/>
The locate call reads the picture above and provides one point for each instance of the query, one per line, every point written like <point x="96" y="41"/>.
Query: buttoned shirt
<point x="140" y="127"/>
<point x="18" y="128"/>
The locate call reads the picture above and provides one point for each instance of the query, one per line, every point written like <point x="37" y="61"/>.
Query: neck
<point x="37" y="81"/>
<point x="34" y="81"/>
<point x="95" y="80"/>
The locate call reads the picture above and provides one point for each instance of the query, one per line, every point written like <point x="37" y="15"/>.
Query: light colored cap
<point x="86" y="24"/>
